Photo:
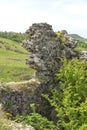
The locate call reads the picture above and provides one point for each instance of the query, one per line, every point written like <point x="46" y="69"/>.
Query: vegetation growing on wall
<point x="37" y="121"/>
<point x="71" y="102"/>
<point x="60" y="35"/>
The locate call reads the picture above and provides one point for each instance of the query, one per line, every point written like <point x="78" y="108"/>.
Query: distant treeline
<point x="18" y="37"/>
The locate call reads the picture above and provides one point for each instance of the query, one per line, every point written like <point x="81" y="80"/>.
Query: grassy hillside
<point x="82" y="42"/>
<point x="77" y="37"/>
<point x="12" y="61"/>
<point x="81" y="46"/>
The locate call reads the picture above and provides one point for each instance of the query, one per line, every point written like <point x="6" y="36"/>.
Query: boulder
<point x="83" y="55"/>
<point x="16" y="97"/>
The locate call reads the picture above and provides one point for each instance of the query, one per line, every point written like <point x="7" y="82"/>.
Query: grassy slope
<point x="81" y="46"/>
<point x="77" y="37"/>
<point x="82" y="42"/>
<point x="12" y="68"/>
<point x="12" y="62"/>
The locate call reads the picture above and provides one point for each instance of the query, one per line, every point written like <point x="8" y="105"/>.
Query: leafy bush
<point x="37" y="121"/>
<point x="83" y="127"/>
<point x="71" y="102"/>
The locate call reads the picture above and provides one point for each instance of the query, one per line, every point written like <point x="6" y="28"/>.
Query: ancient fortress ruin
<point x="47" y="49"/>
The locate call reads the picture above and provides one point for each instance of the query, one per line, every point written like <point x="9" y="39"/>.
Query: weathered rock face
<point x="47" y="49"/>
<point x="17" y="97"/>
<point x="83" y="55"/>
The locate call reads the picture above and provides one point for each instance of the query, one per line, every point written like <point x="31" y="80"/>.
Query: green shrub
<point x="60" y="35"/>
<point x="83" y="127"/>
<point x="37" y="121"/>
<point x="71" y="102"/>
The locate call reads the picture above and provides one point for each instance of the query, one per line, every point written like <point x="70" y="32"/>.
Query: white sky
<point x="18" y="15"/>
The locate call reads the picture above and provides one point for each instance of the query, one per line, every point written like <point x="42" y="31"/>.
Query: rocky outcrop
<point x="83" y="55"/>
<point x="47" y="49"/>
<point x="20" y="126"/>
<point x="11" y="125"/>
<point x="17" y="97"/>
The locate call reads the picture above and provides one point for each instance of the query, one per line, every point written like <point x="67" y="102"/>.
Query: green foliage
<point x="6" y="44"/>
<point x="81" y="42"/>
<point x="4" y="123"/>
<point x="60" y="35"/>
<point x="18" y="37"/>
<point x="14" y="70"/>
<point x="12" y="62"/>
<point x="63" y="39"/>
<point x="83" y="127"/>
<point x="71" y="102"/>
<point x="37" y="121"/>
<point x="32" y="106"/>
<point x="81" y="45"/>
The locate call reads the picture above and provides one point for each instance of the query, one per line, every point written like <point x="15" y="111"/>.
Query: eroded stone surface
<point x="83" y="55"/>
<point x="47" y="49"/>
<point x="20" y="126"/>
<point x="17" y="97"/>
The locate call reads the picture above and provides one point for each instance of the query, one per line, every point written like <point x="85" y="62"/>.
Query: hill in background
<point x="77" y="37"/>
<point x="81" y="42"/>
<point x="12" y="61"/>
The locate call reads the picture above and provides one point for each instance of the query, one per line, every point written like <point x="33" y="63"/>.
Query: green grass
<point x="82" y="42"/>
<point x="78" y="38"/>
<point x="5" y="124"/>
<point x="11" y="45"/>
<point x="82" y="46"/>
<point x="12" y="63"/>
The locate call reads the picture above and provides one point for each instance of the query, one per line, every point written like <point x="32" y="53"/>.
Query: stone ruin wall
<point x="16" y="97"/>
<point x="47" y="49"/>
<point x="46" y="53"/>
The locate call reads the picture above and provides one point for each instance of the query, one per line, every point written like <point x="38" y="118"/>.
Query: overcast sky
<point x="18" y="15"/>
